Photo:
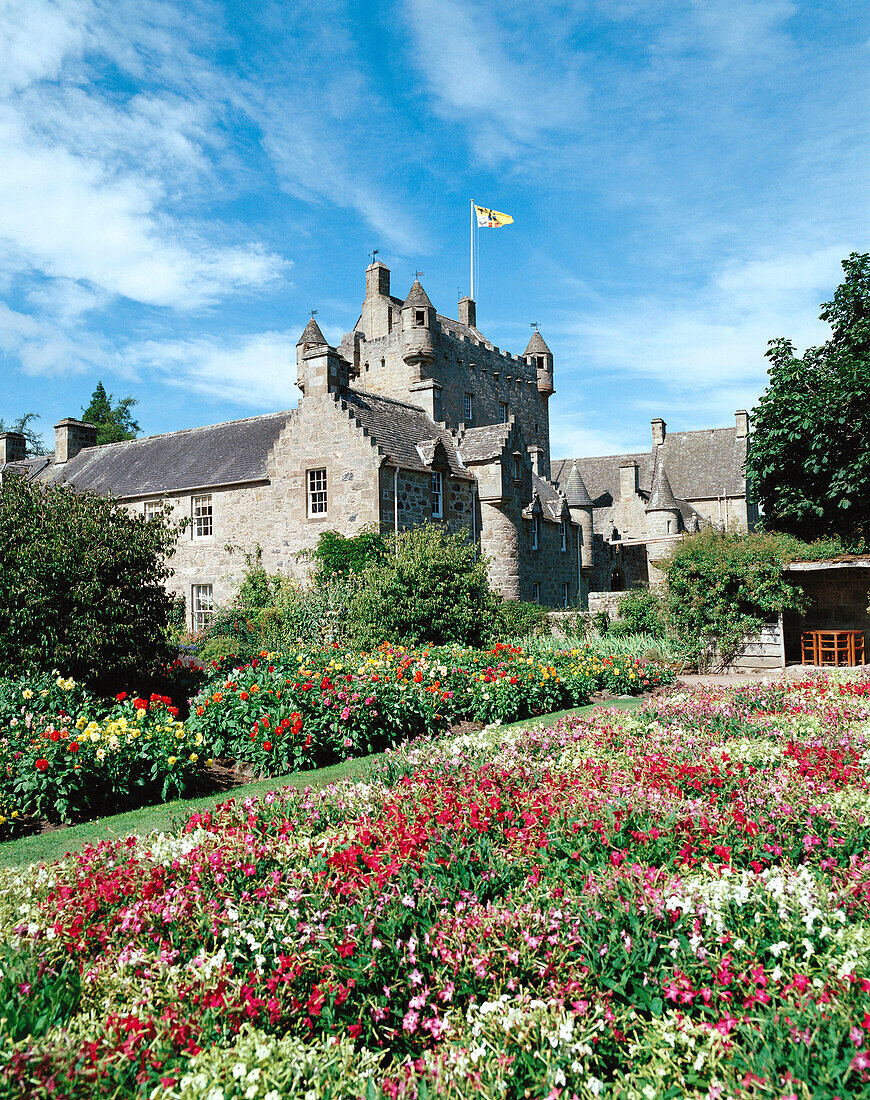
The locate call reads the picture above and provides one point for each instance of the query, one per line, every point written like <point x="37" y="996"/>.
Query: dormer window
<point x="419" y="316"/>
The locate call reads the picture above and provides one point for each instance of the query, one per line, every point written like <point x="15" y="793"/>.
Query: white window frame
<point x="202" y="515"/>
<point x="152" y="508"/>
<point x="201" y="606"/>
<point x="536" y="592"/>
<point x="536" y="532"/>
<point x="504" y="411"/>
<point x="566" y="595"/>
<point x="437" y="494"/>
<point x="564" y="545"/>
<point x="316" y="492"/>
<point x="469" y="408"/>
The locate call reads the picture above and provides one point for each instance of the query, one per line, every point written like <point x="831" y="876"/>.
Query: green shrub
<point x="81" y="586"/>
<point x="642" y="612"/>
<point x="340" y="555"/>
<point x="519" y="619"/>
<point x="432" y="587"/>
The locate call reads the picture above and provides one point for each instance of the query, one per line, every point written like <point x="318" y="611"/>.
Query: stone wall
<point x="415" y="500"/>
<point x="838" y="598"/>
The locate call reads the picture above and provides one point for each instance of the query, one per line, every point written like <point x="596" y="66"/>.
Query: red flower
<point x="121" y="696"/>
<point x="73" y="746"/>
<point x="267" y="745"/>
<point x="54" y="735"/>
<point x="41" y="764"/>
<point x="141" y="704"/>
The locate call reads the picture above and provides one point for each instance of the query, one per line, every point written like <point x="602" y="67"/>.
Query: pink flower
<point x="345" y="714"/>
<point x="410" y="1021"/>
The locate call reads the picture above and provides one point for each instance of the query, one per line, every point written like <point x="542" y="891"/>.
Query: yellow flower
<point x="193" y="758"/>
<point x="172" y="760"/>
<point x="27" y="693"/>
<point x="81" y="723"/>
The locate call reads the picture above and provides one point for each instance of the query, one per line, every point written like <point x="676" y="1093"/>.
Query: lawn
<point x="668" y="901"/>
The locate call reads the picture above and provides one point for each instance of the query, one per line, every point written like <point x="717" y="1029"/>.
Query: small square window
<point x="201" y="606"/>
<point x="152" y="508"/>
<point x="437" y="494"/>
<point x="536" y="592"/>
<point x="420" y="316"/>
<point x="201" y="513"/>
<point x="503" y="411"/>
<point x="317" y="492"/>
<point x="469" y="408"/>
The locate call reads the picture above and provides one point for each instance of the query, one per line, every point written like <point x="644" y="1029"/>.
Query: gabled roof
<point x="417" y="296"/>
<point x="576" y="492"/>
<point x="484" y="443"/>
<point x="311" y="335"/>
<point x="551" y="500"/>
<point x="537" y="345"/>
<point x="661" y="497"/>
<point x="398" y="429"/>
<point x="220" y="454"/>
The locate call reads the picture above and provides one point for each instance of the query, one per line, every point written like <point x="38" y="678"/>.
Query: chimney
<point x="468" y="312"/>
<point x="628" y="480"/>
<point x="741" y="419"/>
<point x="658" y="431"/>
<point x="13" y="447"/>
<point x="377" y="279"/>
<point x="70" y="437"/>
<point x="536" y="454"/>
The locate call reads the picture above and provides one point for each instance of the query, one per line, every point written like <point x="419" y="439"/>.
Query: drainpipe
<point x="396" y="506"/>
<point x="579" y="536"/>
<point x="474" y="513"/>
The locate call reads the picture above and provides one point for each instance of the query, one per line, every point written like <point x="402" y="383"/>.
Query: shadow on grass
<point x="54" y="844"/>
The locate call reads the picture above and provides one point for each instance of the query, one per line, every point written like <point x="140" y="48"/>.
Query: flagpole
<point x="472" y="250"/>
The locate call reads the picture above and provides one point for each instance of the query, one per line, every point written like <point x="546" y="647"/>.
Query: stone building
<point x="414" y="417"/>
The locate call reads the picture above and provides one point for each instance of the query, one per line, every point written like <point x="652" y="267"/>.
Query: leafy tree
<point x="809" y="455"/>
<point x="342" y="555"/>
<point x="113" y="421"/>
<point x="81" y="585"/>
<point x="32" y="438"/>
<point x="430" y="587"/>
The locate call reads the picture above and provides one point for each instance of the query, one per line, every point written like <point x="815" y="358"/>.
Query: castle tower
<point x="663" y="512"/>
<point x="377" y="311"/>
<point x="418" y="328"/>
<point x="580" y="506"/>
<point x="541" y="358"/>
<point x="319" y="367"/>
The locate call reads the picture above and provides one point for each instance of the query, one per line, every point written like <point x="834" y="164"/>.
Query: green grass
<point x="44" y="847"/>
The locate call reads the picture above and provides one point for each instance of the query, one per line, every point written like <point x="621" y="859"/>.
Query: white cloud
<point x="571" y="436"/>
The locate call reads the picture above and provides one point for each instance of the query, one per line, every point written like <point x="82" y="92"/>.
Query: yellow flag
<point x="491" y="219"/>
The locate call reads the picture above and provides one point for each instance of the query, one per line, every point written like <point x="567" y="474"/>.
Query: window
<point x="437" y="494"/>
<point x="469" y="408"/>
<point x="565" y="595"/>
<point x="503" y="411"/>
<point x="419" y="316"/>
<point x="536" y="532"/>
<point x="536" y="592"/>
<point x="201" y="514"/>
<point x="389" y="320"/>
<point x="153" y="508"/>
<point x="317" y="492"/>
<point x="518" y="473"/>
<point x="383" y="364"/>
<point x="201" y="606"/>
<point x="564" y="536"/>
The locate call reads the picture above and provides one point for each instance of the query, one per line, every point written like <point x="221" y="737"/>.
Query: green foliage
<point x="601" y="622"/>
<point x="723" y="587"/>
<point x="81" y="588"/>
<point x="113" y="421"/>
<point x="339" y="555"/>
<point x="35" y="994"/>
<point x="32" y="439"/>
<point x="520" y="619"/>
<point x="809" y="462"/>
<point x="431" y="587"/>
<point x="642" y="612"/>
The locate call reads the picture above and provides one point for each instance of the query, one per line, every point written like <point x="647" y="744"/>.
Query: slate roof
<point x="575" y="490"/>
<point x="220" y="454"/>
<point x="417" y="296"/>
<point x="399" y="429"/>
<point x="537" y="345"/>
<point x="701" y="465"/>
<point x="551" y="499"/>
<point x="661" y="498"/>
<point x="484" y="443"/>
<point x="311" y="335"/>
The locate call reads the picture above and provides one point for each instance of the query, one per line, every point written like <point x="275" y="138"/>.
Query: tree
<point x="114" y="422"/>
<point x="32" y="439"/>
<point x="81" y="588"/>
<point x="809" y="455"/>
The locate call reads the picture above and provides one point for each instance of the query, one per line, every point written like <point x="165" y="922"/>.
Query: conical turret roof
<point x="417" y="296"/>
<point x="537" y="345"/>
<point x="661" y="497"/>
<point x="576" y="493"/>
<point x="311" y="335"/>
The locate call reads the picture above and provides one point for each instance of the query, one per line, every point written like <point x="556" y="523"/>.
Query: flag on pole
<point x="491" y="219"/>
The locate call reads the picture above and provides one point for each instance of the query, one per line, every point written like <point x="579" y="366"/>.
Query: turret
<point x="580" y="506"/>
<point x="663" y="512"/>
<point x="311" y="337"/>
<point x="541" y="358"/>
<point x="319" y="367"/>
<point x="378" y="311"/>
<point x="418" y="330"/>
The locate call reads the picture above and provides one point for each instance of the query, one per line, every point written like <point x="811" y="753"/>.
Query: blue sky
<point x="181" y="182"/>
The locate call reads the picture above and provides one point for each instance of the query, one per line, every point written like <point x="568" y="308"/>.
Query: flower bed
<point x="639" y="905"/>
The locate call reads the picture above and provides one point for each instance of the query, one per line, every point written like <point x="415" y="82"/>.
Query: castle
<point x="414" y="417"/>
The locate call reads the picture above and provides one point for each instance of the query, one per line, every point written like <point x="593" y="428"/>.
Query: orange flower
<point x="217" y="697"/>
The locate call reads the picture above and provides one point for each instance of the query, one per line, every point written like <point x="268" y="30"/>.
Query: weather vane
<point x="313" y="313"/>
<point x="419" y="274"/>
<point x="374" y="252"/>
<point x="534" y="325"/>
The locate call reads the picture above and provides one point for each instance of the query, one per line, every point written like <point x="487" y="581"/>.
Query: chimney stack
<point x="628" y="480"/>
<point x="536" y="454"/>
<point x="72" y="436"/>
<point x="658" y="431"/>
<point x="13" y="447"/>
<point x="468" y="312"/>
<point x="741" y="419"/>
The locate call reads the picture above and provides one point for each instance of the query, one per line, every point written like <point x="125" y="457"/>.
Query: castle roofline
<point x="537" y="345"/>
<point x="417" y="296"/>
<point x="311" y="334"/>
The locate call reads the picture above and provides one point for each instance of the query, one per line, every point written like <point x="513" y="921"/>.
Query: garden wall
<point x="838" y="596"/>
